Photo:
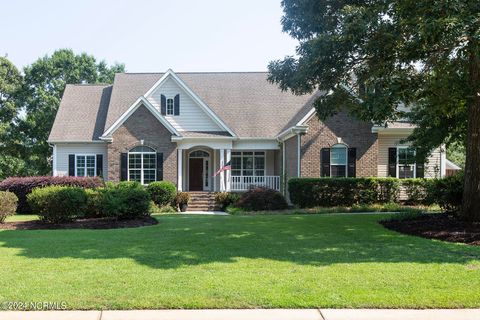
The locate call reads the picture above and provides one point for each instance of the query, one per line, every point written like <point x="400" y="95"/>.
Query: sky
<point x="148" y="35"/>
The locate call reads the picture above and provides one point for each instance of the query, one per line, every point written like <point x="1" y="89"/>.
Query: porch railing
<point x="242" y="183"/>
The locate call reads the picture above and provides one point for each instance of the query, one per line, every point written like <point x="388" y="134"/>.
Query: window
<point x="85" y="165"/>
<point x="248" y="163"/>
<point x="142" y="165"/>
<point x="405" y="163"/>
<point x="169" y="107"/>
<point x="338" y="161"/>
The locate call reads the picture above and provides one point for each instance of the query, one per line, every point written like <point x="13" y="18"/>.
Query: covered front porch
<point x="198" y="165"/>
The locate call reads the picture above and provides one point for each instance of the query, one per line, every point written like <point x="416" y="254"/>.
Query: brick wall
<point x="142" y="125"/>
<point x="324" y="134"/>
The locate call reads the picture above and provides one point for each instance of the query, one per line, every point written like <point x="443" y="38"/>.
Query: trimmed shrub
<point x="162" y="192"/>
<point x="125" y="200"/>
<point x="57" y="204"/>
<point x="8" y="205"/>
<point x="448" y="193"/>
<point x="417" y="191"/>
<point x="327" y="192"/>
<point x="226" y="199"/>
<point x="182" y="198"/>
<point x="258" y="199"/>
<point x="94" y="203"/>
<point x="22" y="186"/>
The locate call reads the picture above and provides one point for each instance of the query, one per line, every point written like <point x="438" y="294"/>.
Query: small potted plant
<point x="182" y="200"/>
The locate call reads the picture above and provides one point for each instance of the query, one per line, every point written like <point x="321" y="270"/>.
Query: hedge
<point x="125" y="200"/>
<point x="163" y="193"/>
<point x="312" y="192"/>
<point x="22" y="186"/>
<point x="259" y="198"/>
<point x="57" y="204"/>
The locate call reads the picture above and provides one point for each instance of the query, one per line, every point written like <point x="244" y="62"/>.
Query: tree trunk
<point x="471" y="193"/>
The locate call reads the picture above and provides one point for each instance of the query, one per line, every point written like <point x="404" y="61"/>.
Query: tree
<point x="373" y="57"/>
<point x="10" y="85"/>
<point x="44" y="83"/>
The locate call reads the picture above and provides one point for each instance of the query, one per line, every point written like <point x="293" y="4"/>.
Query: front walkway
<point x="250" y="314"/>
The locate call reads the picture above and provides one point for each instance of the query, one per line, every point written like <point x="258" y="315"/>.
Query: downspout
<point x="298" y="154"/>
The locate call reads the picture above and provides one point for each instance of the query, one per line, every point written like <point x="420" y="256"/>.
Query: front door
<point x="196" y="174"/>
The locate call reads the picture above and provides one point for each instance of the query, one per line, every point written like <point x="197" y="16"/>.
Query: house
<point x="183" y="127"/>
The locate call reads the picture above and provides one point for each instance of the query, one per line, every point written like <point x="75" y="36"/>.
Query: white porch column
<point x="214" y="166"/>
<point x="180" y="170"/>
<point x="229" y="172"/>
<point x="222" y="174"/>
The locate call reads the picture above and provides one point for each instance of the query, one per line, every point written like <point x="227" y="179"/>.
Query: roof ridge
<point x="90" y="84"/>
<point x="194" y="72"/>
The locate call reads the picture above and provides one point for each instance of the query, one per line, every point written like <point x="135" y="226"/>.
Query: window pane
<point x="259" y="163"/>
<point x="142" y="149"/>
<point x="206" y="173"/>
<point x="247" y="162"/>
<point x="135" y="175"/>
<point x="148" y="176"/>
<point x="236" y="163"/>
<point x="260" y="153"/>
<point x="169" y="106"/>
<point x="135" y="161"/>
<point x="405" y="172"/>
<point x="259" y="172"/>
<point x="149" y="160"/>
<point x="80" y="161"/>
<point x="338" y="156"/>
<point x="80" y="171"/>
<point x="236" y="172"/>
<point x="248" y="172"/>
<point x="338" y="171"/>
<point x="91" y="172"/>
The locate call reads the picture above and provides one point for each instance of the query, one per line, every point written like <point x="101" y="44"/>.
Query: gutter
<point x="291" y="132"/>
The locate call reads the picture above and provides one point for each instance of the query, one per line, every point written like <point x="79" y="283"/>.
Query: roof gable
<point x="139" y="102"/>
<point x="194" y="114"/>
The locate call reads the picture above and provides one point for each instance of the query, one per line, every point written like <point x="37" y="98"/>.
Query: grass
<point x="388" y="207"/>
<point x="282" y="261"/>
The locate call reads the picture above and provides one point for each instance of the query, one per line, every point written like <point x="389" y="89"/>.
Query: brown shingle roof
<point x="248" y="104"/>
<point x="82" y="113"/>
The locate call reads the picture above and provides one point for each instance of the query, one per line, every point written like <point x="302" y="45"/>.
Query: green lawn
<point x="239" y="261"/>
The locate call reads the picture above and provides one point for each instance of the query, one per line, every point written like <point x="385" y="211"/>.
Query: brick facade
<point x="324" y="134"/>
<point x="142" y="125"/>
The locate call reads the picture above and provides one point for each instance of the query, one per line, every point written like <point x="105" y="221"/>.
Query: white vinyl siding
<point x="63" y="150"/>
<point x="385" y="141"/>
<point x="192" y="117"/>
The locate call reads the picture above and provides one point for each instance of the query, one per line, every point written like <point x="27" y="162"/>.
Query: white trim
<point x="85" y="167"/>
<point x="443" y="162"/>
<point x="414" y="164"/>
<point x="142" y="170"/>
<point x="192" y="95"/>
<point x="346" y="158"/>
<point x="140" y="101"/>
<point x="179" y="170"/>
<point x="298" y="155"/>
<point x="54" y="161"/>
<point x="214" y="167"/>
<point x="284" y="178"/>
<point x="173" y="108"/>
<point x="73" y="142"/>
<point x="205" y="178"/>
<point x="290" y="132"/>
<point x="383" y="130"/>
<point x="222" y="174"/>
<point x="451" y="164"/>
<point x="306" y="117"/>
<point x="229" y="172"/>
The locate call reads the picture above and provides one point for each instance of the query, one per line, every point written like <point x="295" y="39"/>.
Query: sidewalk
<point x="250" y="314"/>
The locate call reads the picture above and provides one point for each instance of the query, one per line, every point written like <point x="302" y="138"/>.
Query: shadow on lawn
<point x="188" y="240"/>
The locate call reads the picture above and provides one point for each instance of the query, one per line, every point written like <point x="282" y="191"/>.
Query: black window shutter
<point x="159" y="166"/>
<point x="420" y="170"/>
<point x="71" y="165"/>
<point x="100" y="165"/>
<point x="325" y="162"/>
<point x="163" y="105"/>
<point x="352" y="162"/>
<point x="392" y="162"/>
<point x="176" y="105"/>
<point x="123" y="166"/>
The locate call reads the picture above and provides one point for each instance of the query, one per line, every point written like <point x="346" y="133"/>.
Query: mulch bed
<point x="97" y="223"/>
<point x="437" y="226"/>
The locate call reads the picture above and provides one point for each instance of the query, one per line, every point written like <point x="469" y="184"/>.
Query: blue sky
<point x="147" y="35"/>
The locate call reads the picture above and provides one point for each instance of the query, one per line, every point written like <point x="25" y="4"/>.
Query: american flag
<point x="226" y="167"/>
